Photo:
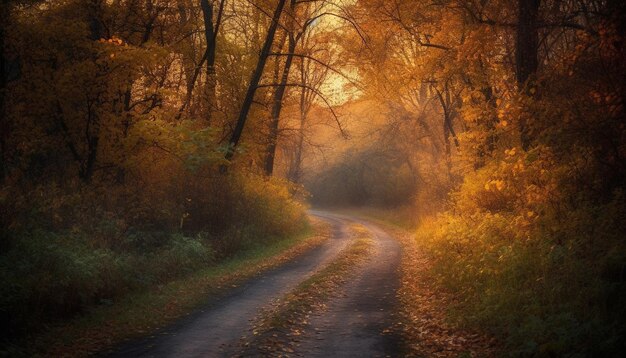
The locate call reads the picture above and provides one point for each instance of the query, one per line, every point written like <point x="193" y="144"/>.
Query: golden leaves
<point x="510" y="152"/>
<point x="114" y="40"/>
<point x="495" y="184"/>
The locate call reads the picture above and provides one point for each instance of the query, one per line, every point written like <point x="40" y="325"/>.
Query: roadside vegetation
<point x="70" y="249"/>
<point x="547" y="277"/>
<point x="425" y="305"/>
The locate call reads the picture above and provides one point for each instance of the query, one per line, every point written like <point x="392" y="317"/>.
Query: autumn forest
<point x="230" y="178"/>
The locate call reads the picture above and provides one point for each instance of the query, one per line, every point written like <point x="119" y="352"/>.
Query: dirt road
<point x="355" y="324"/>
<point x="360" y="322"/>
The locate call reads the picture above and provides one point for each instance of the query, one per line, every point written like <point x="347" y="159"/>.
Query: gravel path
<point x="356" y="324"/>
<point x="359" y="323"/>
<point x="215" y="330"/>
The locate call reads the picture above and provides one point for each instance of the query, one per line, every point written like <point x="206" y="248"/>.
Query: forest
<point x="145" y="144"/>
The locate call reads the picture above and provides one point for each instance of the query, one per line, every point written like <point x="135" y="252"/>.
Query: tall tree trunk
<point x="211" y="29"/>
<point x="526" y="53"/>
<point x="448" y="129"/>
<point x="92" y="133"/>
<point x="92" y="124"/>
<point x="446" y="141"/>
<point x="94" y="12"/>
<point x="277" y="106"/>
<point x="295" y="173"/>
<point x="189" y="67"/>
<point x="254" y="82"/>
<point x="87" y="169"/>
<point x="210" y="35"/>
<point x="448" y="116"/>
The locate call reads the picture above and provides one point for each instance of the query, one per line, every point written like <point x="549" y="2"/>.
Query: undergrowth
<point x="144" y="311"/>
<point x="533" y="259"/>
<point x="69" y="248"/>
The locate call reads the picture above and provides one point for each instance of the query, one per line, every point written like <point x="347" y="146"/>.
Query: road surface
<point x="355" y="323"/>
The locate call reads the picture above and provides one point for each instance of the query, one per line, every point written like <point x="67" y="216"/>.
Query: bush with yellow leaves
<point x="533" y="260"/>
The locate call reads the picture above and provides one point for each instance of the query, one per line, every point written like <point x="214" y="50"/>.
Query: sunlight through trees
<point x="143" y="140"/>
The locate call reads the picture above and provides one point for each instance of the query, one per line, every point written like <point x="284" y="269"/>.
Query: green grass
<point x="143" y="312"/>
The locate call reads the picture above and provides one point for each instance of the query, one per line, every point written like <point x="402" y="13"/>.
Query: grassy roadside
<point x="425" y="306"/>
<point x="425" y="309"/>
<point x="144" y="312"/>
<point x="274" y="327"/>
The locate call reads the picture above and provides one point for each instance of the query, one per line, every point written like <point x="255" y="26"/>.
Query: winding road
<point x="356" y="323"/>
<point x="360" y="322"/>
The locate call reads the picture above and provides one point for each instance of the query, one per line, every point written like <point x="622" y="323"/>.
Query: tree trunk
<point x="448" y="116"/>
<point x="4" y="126"/>
<point x="526" y="54"/>
<point x="88" y="167"/>
<point x="448" y="129"/>
<point x="446" y="141"/>
<point x="277" y="106"/>
<point x="92" y="124"/>
<point x="254" y="82"/>
<point x="295" y="174"/>
<point x="92" y="138"/>
<point x="211" y="29"/>
<point x="210" y="35"/>
<point x="96" y="29"/>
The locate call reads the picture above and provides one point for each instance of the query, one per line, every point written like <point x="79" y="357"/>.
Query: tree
<point x="4" y="128"/>
<point x="211" y="31"/>
<point x="254" y="82"/>
<point x="312" y="78"/>
<point x="526" y="54"/>
<point x="279" y="93"/>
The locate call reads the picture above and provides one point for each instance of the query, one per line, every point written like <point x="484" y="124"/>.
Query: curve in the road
<point x="360" y="322"/>
<point x="216" y="330"/>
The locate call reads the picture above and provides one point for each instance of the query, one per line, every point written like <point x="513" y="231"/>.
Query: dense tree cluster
<point x="85" y="82"/>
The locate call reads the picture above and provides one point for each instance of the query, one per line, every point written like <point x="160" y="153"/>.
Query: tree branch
<point x="321" y="63"/>
<point x="344" y="134"/>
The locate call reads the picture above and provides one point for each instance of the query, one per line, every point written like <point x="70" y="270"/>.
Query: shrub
<point x="69" y="247"/>
<point x="533" y="260"/>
